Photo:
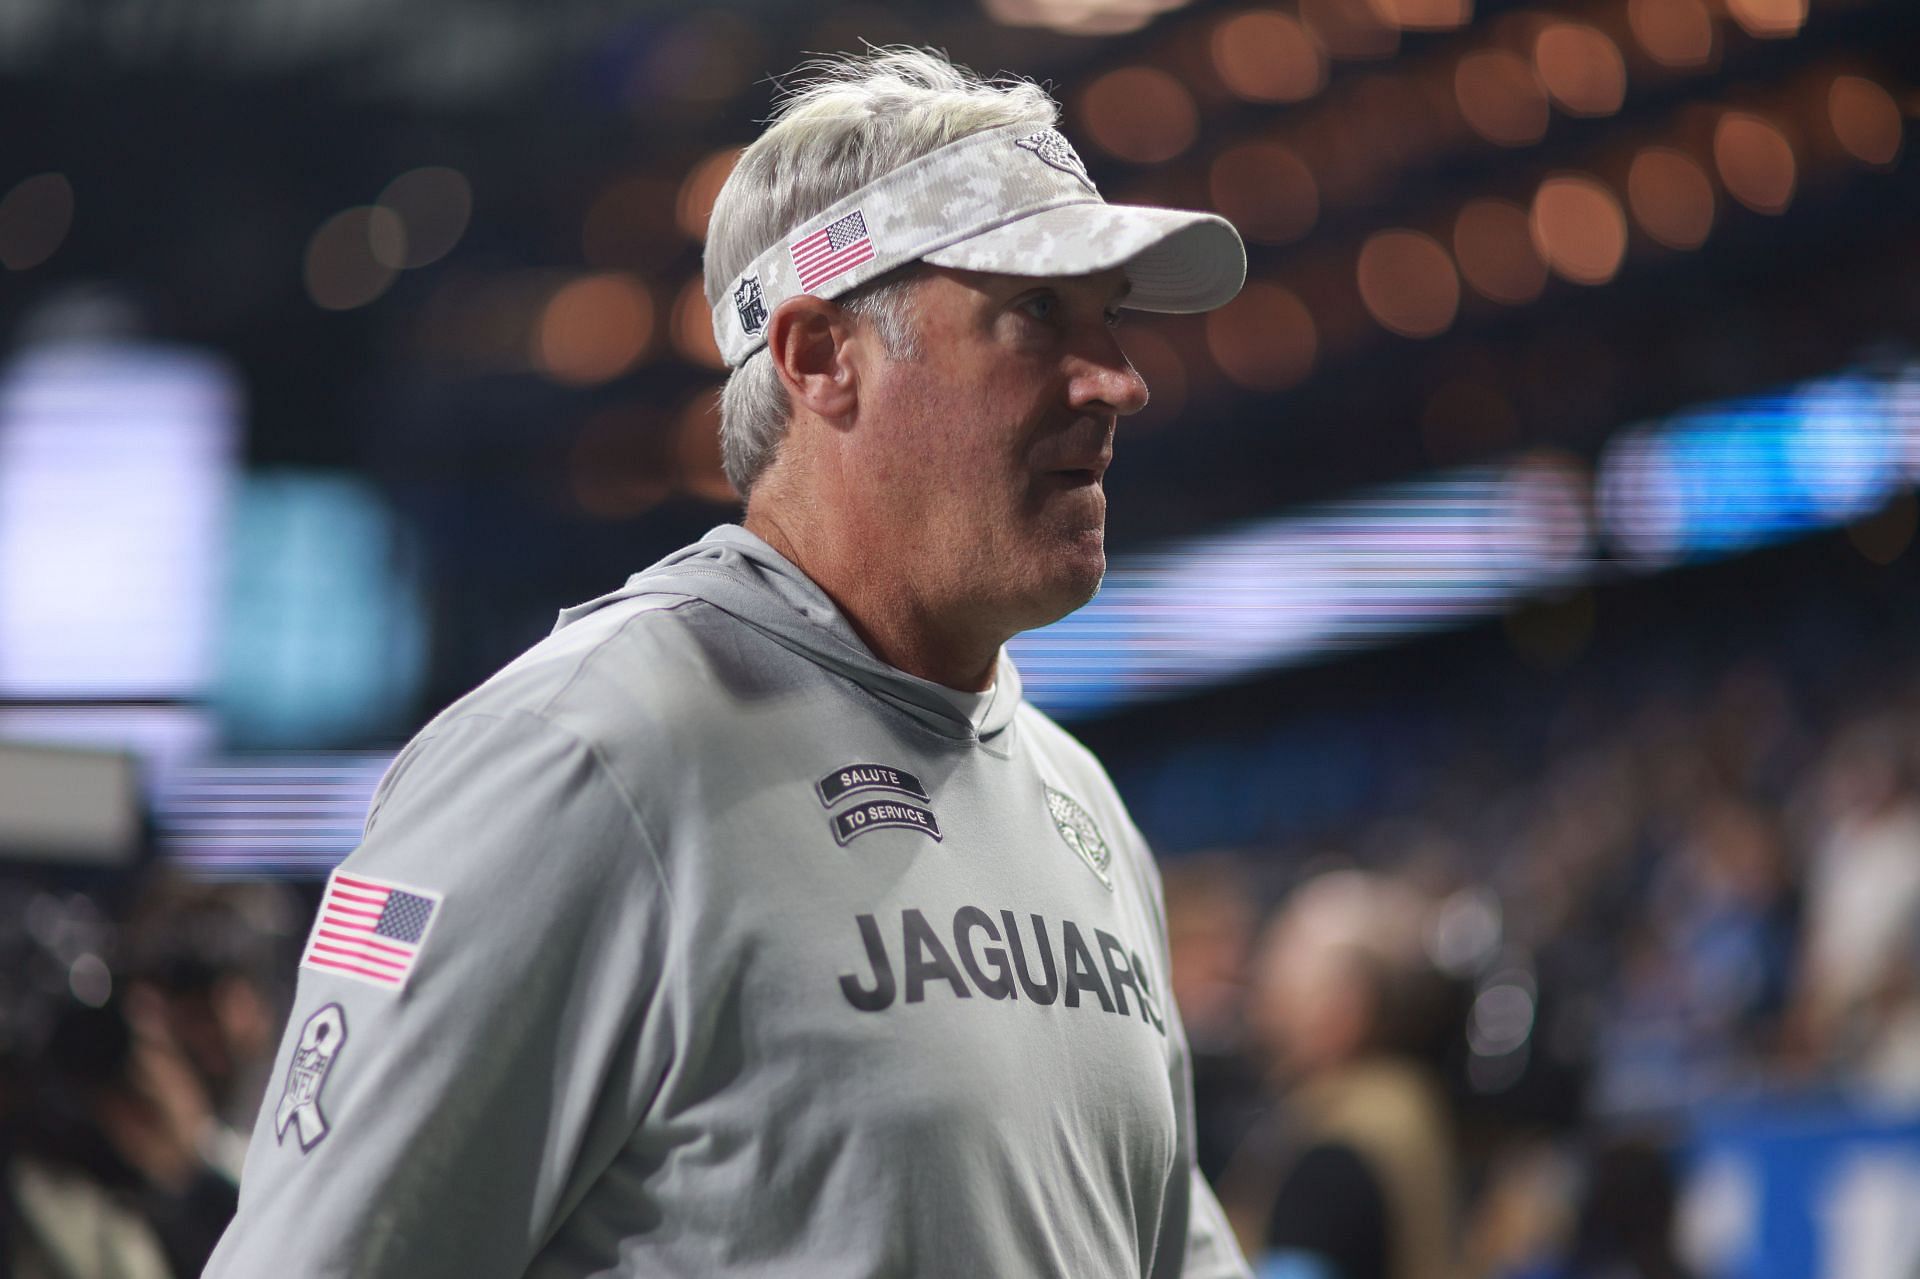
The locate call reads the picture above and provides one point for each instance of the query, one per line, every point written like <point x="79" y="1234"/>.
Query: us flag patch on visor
<point x="833" y="249"/>
<point x="370" y="930"/>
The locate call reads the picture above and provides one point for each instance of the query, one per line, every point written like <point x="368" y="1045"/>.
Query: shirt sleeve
<point x="1211" y="1248"/>
<point x="457" y="1119"/>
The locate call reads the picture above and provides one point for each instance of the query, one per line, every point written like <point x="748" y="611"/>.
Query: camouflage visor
<point x="1010" y="201"/>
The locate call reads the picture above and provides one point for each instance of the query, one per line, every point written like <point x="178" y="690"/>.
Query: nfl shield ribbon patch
<point x="371" y="930"/>
<point x="321" y="1040"/>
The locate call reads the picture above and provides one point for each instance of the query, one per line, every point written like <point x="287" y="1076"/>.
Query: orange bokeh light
<point x="1866" y="120"/>
<point x="1756" y="162"/>
<point x="700" y="189"/>
<point x="1408" y="283"/>
<point x="1495" y="250"/>
<point x="1162" y="368"/>
<point x="1140" y="114"/>
<point x="1424" y="15"/>
<point x="1266" y="191"/>
<point x="1579" y="228"/>
<point x="1265" y="339"/>
<point x="1581" y="68"/>
<point x="594" y="328"/>
<point x="616" y="465"/>
<point x="692" y="325"/>
<point x="696" y="449"/>
<point x="1769" y="19"/>
<point x="1350" y="28"/>
<point x="632" y="224"/>
<point x="1671" y="197"/>
<point x="1675" y="33"/>
<point x="1268" y="57"/>
<point x="1500" y="97"/>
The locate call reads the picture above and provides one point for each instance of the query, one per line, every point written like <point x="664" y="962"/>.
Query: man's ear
<point x="810" y="342"/>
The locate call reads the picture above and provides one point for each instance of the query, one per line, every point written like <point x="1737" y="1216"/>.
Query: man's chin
<point x="1076" y="577"/>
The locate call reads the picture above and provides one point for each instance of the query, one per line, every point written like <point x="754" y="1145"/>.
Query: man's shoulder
<point x="629" y="684"/>
<point x="1062" y="749"/>
<point x="644" y="673"/>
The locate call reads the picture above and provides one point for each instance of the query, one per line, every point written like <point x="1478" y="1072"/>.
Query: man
<point x="751" y="923"/>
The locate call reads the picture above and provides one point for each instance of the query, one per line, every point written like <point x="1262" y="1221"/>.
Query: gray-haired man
<point x="751" y="923"/>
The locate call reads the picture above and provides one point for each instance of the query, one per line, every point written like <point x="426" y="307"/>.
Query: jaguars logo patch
<point x="1076" y="826"/>
<point x="1055" y="150"/>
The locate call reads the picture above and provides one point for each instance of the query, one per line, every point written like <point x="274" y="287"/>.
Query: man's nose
<point x="1106" y="377"/>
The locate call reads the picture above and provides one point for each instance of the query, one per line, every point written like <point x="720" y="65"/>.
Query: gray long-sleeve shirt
<point x="700" y="942"/>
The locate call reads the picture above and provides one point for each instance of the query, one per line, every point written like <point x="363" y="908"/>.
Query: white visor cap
<point x="1009" y="201"/>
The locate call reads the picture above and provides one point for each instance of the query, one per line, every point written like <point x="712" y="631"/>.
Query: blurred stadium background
<point x="1509" y="642"/>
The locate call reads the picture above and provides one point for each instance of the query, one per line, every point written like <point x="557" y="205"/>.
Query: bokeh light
<point x="692" y="326"/>
<point x="1769" y="19"/>
<point x="1140" y="114"/>
<point x="696" y="449"/>
<point x="1675" y="33"/>
<point x="1866" y="120"/>
<point x="1494" y="247"/>
<point x="1265" y="339"/>
<point x="594" y="328"/>
<point x="1500" y="97"/>
<point x="1579" y="228"/>
<point x="700" y="189"/>
<point x="616" y="467"/>
<point x="1266" y="190"/>
<point x="1350" y="28"/>
<point x="1581" y="68"/>
<point x="1074" y="17"/>
<point x="344" y="265"/>
<point x="1756" y="162"/>
<point x="1163" y="370"/>
<point x="433" y="205"/>
<point x="704" y="60"/>
<point x="1884" y="536"/>
<point x="1671" y="197"/>
<point x="1407" y="283"/>
<point x="632" y="225"/>
<point x="1424" y="15"/>
<point x="35" y="217"/>
<point x="1263" y="56"/>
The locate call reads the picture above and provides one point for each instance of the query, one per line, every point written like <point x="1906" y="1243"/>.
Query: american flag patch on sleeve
<point x="370" y="930"/>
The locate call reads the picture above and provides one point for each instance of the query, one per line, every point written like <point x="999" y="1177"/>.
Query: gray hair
<point x="846" y="122"/>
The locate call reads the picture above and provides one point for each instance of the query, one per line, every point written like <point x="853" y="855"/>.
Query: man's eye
<point x="1114" y="316"/>
<point x="1040" y="306"/>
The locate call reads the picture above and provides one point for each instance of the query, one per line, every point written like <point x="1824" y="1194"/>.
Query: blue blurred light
<point x="116" y="460"/>
<point x="325" y="637"/>
<point x="1446" y="548"/>
<point x="1346" y="575"/>
<point x="1727" y="479"/>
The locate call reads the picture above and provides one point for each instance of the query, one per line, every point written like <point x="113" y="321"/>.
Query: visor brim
<point x="1176" y="261"/>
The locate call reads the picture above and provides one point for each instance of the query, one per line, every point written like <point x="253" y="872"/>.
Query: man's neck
<point x="890" y="615"/>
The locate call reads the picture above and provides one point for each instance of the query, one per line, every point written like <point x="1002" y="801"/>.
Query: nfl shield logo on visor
<point x="752" y="307"/>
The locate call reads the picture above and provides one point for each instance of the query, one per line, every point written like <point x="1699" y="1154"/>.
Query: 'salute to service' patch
<point x="877" y="813"/>
<point x="850" y="778"/>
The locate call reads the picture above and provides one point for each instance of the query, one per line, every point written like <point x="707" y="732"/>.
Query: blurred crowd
<point x="1459" y="1039"/>
<point x="1466" y="1038"/>
<point x="138" y="1020"/>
